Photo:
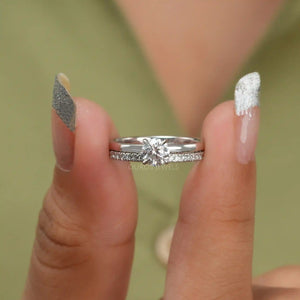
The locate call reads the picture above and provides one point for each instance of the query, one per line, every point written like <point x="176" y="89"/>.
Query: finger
<point x="85" y="234"/>
<point x="275" y="293"/>
<point x="211" y="253"/>
<point x="285" y="277"/>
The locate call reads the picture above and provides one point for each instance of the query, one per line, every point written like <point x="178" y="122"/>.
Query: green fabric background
<point x="91" y="43"/>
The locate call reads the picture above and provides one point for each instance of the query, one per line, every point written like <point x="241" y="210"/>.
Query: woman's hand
<point x="85" y="235"/>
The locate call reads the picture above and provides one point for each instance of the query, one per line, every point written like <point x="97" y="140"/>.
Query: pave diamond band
<point x="156" y="150"/>
<point x="174" y="157"/>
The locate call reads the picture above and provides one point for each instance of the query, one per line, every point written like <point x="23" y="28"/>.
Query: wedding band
<point x="156" y="150"/>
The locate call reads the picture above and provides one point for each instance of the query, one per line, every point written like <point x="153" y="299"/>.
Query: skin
<point x="196" y="47"/>
<point x="85" y="234"/>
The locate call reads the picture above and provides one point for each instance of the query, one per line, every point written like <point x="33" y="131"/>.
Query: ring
<point x="156" y="150"/>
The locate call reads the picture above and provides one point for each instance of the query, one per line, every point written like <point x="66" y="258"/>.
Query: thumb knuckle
<point x="61" y="242"/>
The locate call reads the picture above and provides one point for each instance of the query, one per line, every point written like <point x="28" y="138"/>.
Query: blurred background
<point x="91" y="42"/>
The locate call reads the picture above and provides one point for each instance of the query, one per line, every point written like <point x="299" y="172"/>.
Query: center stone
<point x="155" y="152"/>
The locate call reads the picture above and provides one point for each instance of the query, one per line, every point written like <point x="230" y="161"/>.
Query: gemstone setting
<point x="155" y="152"/>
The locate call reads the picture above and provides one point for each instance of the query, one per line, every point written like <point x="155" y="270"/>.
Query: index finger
<point x="211" y="253"/>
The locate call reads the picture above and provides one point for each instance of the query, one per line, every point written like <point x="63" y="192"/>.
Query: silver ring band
<point x="156" y="150"/>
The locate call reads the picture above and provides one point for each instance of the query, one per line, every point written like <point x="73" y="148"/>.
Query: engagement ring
<point x="156" y="150"/>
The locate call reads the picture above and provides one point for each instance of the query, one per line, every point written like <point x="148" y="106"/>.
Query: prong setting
<point x="155" y="152"/>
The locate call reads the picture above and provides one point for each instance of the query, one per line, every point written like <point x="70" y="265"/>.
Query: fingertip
<point x="94" y="129"/>
<point x="219" y="174"/>
<point x="94" y="173"/>
<point x="90" y="149"/>
<point x="218" y="132"/>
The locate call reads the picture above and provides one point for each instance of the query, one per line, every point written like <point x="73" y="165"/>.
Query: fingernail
<point x="63" y="122"/>
<point x="247" y="116"/>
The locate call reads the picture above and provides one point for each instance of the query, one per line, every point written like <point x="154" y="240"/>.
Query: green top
<point x="91" y="43"/>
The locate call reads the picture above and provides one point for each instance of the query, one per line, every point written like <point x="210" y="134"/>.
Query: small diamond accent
<point x="172" y="157"/>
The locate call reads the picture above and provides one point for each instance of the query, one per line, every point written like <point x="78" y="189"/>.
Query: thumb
<point x="85" y="234"/>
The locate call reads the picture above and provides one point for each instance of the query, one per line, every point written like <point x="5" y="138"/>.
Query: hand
<point x="85" y="234"/>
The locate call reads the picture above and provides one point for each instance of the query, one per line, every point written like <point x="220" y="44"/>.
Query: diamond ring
<point x="156" y="150"/>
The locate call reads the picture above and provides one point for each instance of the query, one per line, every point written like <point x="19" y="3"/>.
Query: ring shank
<point x="174" y="143"/>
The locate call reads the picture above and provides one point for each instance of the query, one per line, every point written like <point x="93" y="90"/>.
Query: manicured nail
<point x="247" y="112"/>
<point x="63" y="122"/>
